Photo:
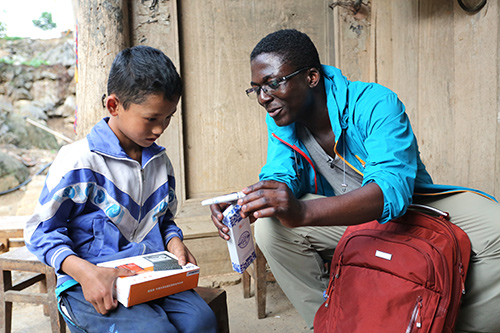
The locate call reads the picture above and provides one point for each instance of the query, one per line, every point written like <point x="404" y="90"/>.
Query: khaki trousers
<point x="297" y="259"/>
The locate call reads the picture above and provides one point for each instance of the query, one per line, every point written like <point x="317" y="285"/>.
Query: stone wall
<point x="37" y="81"/>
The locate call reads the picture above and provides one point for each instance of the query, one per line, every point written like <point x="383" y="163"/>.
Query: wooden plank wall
<point x="225" y="132"/>
<point x="444" y="65"/>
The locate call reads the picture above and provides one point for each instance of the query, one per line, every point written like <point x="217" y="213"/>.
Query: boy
<point x="111" y="195"/>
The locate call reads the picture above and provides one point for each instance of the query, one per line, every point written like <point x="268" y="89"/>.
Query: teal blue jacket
<point x="372" y="134"/>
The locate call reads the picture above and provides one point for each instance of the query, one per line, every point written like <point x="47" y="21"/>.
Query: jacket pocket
<point x="106" y="238"/>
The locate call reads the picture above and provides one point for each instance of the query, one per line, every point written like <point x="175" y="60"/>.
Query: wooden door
<point x="224" y="132"/>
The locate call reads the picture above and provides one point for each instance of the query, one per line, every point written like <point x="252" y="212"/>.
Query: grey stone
<point x="24" y="135"/>
<point x="34" y="110"/>
<point x="12" y="172"/>
<point x="65" y="110"/>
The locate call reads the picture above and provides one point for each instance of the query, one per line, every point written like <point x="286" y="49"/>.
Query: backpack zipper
<point x="416" y="316"/>
<point x="331" y="285"/>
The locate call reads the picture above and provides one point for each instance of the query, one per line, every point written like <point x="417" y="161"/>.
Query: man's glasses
<point x="271" y="86"/>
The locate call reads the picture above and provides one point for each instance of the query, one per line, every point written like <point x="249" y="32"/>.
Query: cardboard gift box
<point x="158" y="275"/>
<point x="240" y="243"/>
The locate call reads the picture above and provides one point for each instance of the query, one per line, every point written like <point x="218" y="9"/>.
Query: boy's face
<point x="141" y="124"/>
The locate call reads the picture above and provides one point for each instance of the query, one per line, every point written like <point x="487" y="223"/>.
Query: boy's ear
<point x="112" y="103"/>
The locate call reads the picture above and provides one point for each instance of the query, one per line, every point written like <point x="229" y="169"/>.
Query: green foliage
<point x="10" y="38"/>
<point x="45" y="22"/>
<point x="6" y="61"/>
<point x="35" y="62"/>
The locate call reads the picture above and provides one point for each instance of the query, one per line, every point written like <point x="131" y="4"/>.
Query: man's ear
<point x="314" y="77"/>
<point x="112" y="103"/>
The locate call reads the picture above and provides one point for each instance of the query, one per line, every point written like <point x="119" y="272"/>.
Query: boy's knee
<point x="205" y="321"/>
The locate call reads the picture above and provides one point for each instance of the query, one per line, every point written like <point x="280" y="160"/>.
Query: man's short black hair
<point x="140" y="71"/>
<point x="295" y="48"/>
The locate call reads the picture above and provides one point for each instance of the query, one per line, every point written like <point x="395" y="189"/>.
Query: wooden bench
<point x="217" y="300"/>
<point x="11" y="232"/>
<point x="20" y="259"/>
<point x="258" y="271"/>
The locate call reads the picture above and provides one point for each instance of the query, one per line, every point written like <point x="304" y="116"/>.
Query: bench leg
<point x="246" y="280"/>
<point x="5" y="307"/>
<point x="56" y="320"/>
<point x="260" y="283"/>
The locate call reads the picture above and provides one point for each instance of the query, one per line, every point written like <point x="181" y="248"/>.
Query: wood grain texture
<point x="102" y="33"/>
<point x="225" y="132"/>
<point x="444" y="65"/>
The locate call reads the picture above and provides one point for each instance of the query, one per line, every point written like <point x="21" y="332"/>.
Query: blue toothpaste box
<point x="240" y="245"/>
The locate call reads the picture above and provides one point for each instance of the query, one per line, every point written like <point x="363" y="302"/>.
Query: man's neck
<point x="318" y="123"/>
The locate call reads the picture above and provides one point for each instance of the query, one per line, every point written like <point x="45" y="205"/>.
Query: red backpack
<point x="407" y="275"/>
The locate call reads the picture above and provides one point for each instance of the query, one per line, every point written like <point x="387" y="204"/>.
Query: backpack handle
<point x="446" y="215"/>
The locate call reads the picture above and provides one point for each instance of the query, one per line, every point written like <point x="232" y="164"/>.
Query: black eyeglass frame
<point x="272" y="85"/>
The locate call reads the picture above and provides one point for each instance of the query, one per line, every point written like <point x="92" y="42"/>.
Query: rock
<point x="21" y="93"/>
<point x="12" y="172"/>
<point x="23" y="80"/>
<point x="67" y="109"/>
<point x="5" y="105"/>
<point x="63" y="54"/>
<point x="36" y="81"/>
<point x="52" y="85"/>
<point x="34" y="110"/>
<point x="21" y="134"/>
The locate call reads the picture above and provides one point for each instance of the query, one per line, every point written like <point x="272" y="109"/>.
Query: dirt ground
<point x="281" y="316"/>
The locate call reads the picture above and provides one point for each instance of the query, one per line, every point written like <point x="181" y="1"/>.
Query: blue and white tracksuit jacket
<point x="99" y="204"/>
<point x="372" y="134"/>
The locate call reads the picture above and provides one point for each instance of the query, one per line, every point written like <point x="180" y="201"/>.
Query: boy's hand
<point x="98" y="287"/>
<point x="97" y="282"/>
<point x="177" y="248"/>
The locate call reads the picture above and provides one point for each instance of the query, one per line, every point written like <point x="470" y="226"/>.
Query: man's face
<point x="288" y="102"/>
<point x="142" y="124"/>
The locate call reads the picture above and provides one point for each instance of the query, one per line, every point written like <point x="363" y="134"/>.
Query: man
<point x="343" y="153"/>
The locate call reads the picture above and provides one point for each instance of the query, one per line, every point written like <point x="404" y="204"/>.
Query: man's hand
<point x="270" y="198"/>
<point x="217" y="217"/>
<point x="97" y="282"/>
<point x="179" y="249"/>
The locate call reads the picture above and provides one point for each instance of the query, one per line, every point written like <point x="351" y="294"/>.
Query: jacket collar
<point x="336" y="87"/>
<point x="104" y="141"/>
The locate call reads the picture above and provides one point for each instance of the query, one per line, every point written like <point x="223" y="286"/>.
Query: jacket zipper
<point x="141" y="176"/>
<point x="295" y="148"/>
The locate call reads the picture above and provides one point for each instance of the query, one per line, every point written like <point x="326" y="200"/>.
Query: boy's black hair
<point x="295" y="48"/>
<point x="141" y="71"/>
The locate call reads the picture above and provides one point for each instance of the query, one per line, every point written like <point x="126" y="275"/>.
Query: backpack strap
<point x="430" y="209"/>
